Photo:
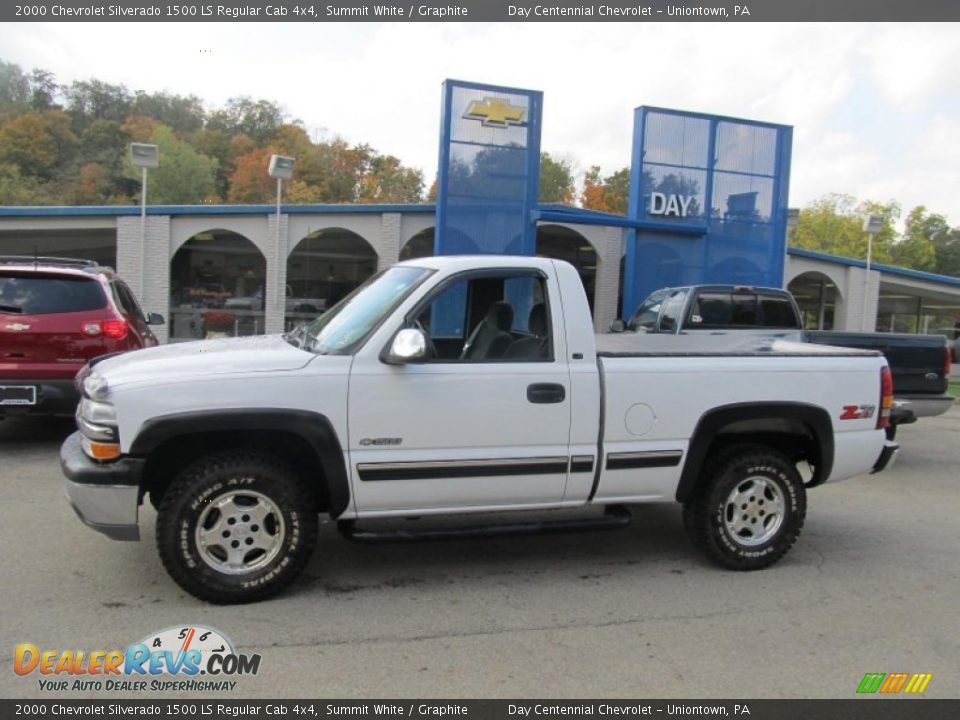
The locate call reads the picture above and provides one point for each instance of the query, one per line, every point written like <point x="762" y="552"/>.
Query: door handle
<point x="546" y="393"/>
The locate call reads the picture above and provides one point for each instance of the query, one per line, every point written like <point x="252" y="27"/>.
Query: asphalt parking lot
<point x="872" y="585"/>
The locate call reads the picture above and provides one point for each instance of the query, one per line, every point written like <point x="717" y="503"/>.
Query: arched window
<point x="217" y="284"/>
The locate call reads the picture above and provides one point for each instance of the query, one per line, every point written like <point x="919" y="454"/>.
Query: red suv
<point x="55" y="315"/>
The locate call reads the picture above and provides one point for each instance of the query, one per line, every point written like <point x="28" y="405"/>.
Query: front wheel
<point x="236" y="526"/>
<point x="751" y="510"/>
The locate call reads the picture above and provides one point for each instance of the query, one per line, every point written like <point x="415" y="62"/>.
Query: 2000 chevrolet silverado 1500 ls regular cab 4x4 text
<point x="461" y="385"/>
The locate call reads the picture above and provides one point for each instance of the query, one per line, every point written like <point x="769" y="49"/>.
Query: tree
<point x="610" y="194"/>
<point x="388" y="181"/>
<point x="104" y="142"/>
<point x="43" y="90"/>
<point x="915" y="249"/>
<point x="947" y="248"/>
<point x="556" y="180"/>
<point x="37" y="143"/>
<point x="140" y="128"/>
<point x="618" y="191"/>
<point x="15" y="189"/>
<point x="95" y="186"/>
<point x="14" y="88"/>
<point x="89" y="100"/>
<point x="183" y="114"/>
<point x="834" y="224"/>
<point x="250" y="182"/>
<point x="929" y="243"/>
<point x="260" y="119"/>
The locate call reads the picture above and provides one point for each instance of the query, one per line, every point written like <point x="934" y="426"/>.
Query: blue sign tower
<point x="708" y="201"/>
<point x="489" y="171"/>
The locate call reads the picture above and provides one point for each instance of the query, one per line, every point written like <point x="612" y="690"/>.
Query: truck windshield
<point x="348" y="323"/>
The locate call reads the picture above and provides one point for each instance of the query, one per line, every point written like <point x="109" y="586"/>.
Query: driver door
<point x="477" y="424"/>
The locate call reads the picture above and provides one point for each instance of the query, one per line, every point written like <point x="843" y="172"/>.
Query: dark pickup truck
<point x="920" y="364"/>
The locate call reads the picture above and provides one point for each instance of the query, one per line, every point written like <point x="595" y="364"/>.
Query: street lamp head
<point x="281" y="167"/>
<point x="873" y="224"/>
<point x="144" y="155"/>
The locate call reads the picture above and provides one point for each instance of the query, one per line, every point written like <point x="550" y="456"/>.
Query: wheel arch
<point x="794" y="428"/>
<point x="306" y="440"/>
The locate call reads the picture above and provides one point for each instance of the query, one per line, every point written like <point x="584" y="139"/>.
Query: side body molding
<point x="712" y="423"/>
<point x="315" y="429"/>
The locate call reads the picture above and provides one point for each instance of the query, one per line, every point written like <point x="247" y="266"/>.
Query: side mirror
<point x="155" y="319"/>
<point x="617" y="326"/>
<point x="409" y="345"/>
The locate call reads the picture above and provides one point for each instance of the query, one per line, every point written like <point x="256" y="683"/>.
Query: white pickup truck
<point x="462" y="385"/>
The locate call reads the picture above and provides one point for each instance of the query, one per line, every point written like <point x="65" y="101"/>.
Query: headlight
<point x="97" y="420"/>
<point x="99" y="413"/>
<point x="95" y="386"/>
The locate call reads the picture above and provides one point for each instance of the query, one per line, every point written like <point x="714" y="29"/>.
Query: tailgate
<point x="916" y="361"/>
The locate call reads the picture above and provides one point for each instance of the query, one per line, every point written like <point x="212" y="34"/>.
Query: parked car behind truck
<point x="55" y="315"/>
<point x="458" y="386"/>
<point x="920" y="363"/>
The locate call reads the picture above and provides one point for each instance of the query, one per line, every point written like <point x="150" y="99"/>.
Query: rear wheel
<point x="750" y="511"/>
<point x="236" y="526"/>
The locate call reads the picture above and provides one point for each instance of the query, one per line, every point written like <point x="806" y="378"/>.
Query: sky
<point x="875" y="107"/>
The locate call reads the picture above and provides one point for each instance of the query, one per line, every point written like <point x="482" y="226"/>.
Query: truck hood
<point x="260" y="353"/>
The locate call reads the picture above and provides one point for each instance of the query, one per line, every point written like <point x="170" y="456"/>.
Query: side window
<point x="496" y="318"/>
<point x="670" y="311"/>
<point x="126" y="300"/>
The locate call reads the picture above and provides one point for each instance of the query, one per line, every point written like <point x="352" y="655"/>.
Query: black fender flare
<point x="315" y="429"/>
<point x="713" y="421"/>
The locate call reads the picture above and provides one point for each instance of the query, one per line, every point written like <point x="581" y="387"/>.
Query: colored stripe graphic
<point x="918" y="682"/>
<point x="894" y="682"/>
<point x="870" y="683"/>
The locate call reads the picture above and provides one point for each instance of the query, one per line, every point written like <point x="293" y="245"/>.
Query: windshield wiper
<point x="11" y="309"/>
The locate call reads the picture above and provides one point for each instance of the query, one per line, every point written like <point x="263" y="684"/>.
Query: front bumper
<point x="888" y="457"/>
<point x="105" y="496"/>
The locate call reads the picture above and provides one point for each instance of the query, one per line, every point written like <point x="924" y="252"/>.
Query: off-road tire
<point x="217" y="475"/>
<point x="706" y="516"/>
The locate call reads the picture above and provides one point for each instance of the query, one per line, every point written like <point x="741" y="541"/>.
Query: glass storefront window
<point x="324" y="268"/>
<point x="217" y="287"/>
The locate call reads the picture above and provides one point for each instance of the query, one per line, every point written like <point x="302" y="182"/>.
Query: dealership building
<point x="708" y="204"/>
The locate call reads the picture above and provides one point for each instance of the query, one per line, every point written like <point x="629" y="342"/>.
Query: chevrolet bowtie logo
<point x="17" y="327"/>
<point x="494" y="112"/>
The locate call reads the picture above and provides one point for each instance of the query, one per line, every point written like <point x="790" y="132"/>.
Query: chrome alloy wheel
<point x="239" y="532"/>
<point x="753" y="512"/>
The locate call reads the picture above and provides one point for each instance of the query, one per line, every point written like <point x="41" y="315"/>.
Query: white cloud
<point x="834" y="162"/>
<point x="913" y="62"/>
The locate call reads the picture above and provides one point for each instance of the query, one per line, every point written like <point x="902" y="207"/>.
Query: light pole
<point x="281" y="168"/>
<point x="872" y="226"/>
<point x="143" y="156"/>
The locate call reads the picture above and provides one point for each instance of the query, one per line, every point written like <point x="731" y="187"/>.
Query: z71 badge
<point x="858" y="412"/>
